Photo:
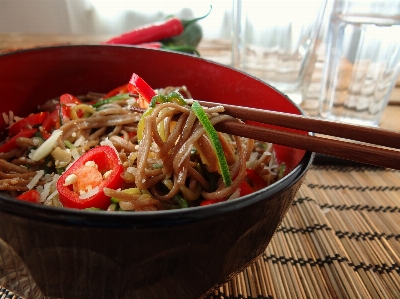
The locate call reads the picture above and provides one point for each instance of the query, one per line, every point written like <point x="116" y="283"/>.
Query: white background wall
<point x="108" y="16"/>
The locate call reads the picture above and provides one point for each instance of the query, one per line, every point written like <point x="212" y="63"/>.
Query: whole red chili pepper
<point x="160" y="45"/>
<point x="107" y="161"/>
<point x="154" y="32"/>
<point x="149" y="33"/>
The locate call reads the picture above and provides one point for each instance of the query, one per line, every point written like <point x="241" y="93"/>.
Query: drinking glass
<point x="361" y="61"/>
<point x="275" y="40"/>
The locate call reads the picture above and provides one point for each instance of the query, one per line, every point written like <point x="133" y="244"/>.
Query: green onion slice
<point x="216" y="144"/>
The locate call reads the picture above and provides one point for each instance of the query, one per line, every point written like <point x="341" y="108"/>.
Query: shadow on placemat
<point x="321" y="159"/>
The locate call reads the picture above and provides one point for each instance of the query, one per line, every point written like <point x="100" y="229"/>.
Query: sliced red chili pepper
<point x="256" y="181"/>
<point x="66" y="100"/>
<point x="245" y="188"/>
<point x="69" y="99"/>
<point x="116" y="91"/>
<point x="138" y="85"/>
<point x="30" y="195"/>
<point x="27" y="122"/>
<point x="53" y="121"/>
<point x="131" y="134"/>
<point x="106" y="160"/>
<point x="12" y="144"/>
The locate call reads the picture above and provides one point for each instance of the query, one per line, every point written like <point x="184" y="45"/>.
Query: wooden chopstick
<point x="311" y="124"/>
<point x="382" y="148"/>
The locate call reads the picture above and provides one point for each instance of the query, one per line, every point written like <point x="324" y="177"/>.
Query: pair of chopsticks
<point x="362" y="144"/>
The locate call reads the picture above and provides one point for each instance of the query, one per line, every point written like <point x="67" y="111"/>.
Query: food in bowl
<point x="132" y="149"/>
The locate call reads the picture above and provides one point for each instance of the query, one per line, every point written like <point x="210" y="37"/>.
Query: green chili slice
<point x="158" y="99"/>
<point x="60" y="170"/>
<point x="176" y="97"/>
<point x="47" y="165"/>
<point x="69" y="144"/>
<point x="60" y="115"/>
<point x="119" y="97"/>
<point x="181" y="201"/>
<point x="282" y="170"/>
<point x="216" y="144"/>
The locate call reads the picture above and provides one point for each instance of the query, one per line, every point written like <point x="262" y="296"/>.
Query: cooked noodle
<point x="174" y="159"/>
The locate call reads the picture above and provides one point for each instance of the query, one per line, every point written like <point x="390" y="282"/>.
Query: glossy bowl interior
<point x="168" y="254"/>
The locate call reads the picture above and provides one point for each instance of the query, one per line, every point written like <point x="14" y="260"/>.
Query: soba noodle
<point x="172" y="165"/>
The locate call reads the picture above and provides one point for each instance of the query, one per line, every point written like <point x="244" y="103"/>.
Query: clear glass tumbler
<point x="276" y="40"/>
<point x="362" y="60"/>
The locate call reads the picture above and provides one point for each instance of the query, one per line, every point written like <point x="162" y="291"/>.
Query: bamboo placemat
<point x="340" y="239"/>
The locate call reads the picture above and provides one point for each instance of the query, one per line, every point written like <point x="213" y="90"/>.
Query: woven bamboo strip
<point x="242" y="281"/>
<point x="294" y="274"/>
<point x="343" y="280"/>
<point x="335" y="249"/>
<point x="374" y="251"/>
<point x="253" y="282"/>
<point x="356" y="255"/>
<point x="343" y="252"/>
<point x="285" y="278"/>
<point x="276" y="277"/>
<point x="354" y="222"/>
<point x="314" y="253"/>
<point x="312" y="276"/>
<point x="303" y="276"/>
<point x="264" y="281"/>
<point x="335" y="282"/>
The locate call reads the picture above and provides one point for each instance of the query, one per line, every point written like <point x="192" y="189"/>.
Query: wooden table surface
<point x="215" y="50"/>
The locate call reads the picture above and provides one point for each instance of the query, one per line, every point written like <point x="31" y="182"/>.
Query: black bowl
<point x="163" y="254"/>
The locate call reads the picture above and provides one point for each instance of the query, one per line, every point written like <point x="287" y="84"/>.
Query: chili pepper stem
<point x="186" y="23"/>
